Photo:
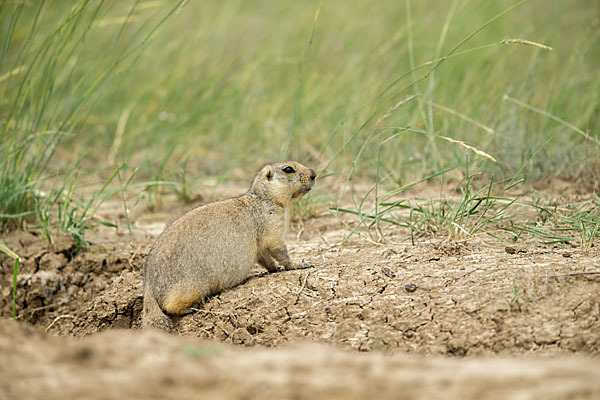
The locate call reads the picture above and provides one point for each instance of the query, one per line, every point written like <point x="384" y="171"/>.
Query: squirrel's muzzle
<point x="307" y="185"/>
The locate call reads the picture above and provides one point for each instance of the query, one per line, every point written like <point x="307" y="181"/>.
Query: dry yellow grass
<point x="527" y="43"/>
<point x="468" y="146"/>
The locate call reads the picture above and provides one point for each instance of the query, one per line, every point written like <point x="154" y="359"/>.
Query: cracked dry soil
<point x="437" y="298"/>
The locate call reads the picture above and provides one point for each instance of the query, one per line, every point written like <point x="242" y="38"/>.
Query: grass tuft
<point x="49" y="95"/>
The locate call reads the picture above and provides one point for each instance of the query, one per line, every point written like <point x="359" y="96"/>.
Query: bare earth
<point x="458" y="319"/>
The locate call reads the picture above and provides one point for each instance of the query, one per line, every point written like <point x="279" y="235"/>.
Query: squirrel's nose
<point x="313" y="174"/>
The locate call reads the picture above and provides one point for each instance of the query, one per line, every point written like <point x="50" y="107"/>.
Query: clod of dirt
<point x="514" y="250"/>
<point x="118" y="307"/>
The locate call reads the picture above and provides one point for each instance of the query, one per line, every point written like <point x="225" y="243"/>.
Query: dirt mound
<point x="429" y="299"/>
<point x="154" y="365"/>
<point x="59" y="281"/>
<point x="433" y="298"/>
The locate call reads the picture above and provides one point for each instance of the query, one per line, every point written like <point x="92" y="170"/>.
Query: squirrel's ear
<point x="267" y="172"/>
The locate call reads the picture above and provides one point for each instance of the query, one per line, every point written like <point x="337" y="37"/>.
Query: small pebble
<point x="411" y="287"/>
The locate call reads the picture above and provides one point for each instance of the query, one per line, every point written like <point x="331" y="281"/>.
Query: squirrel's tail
<point x="152" y="315"/>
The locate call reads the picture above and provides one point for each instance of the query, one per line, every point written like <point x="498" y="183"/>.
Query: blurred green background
<point x="165" y="89"/>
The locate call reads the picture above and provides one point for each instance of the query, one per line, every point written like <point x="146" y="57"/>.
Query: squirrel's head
<point x="281" y="182"/>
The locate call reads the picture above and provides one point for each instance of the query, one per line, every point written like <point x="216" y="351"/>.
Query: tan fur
<point x="178" y="300"/>
<point x="214" y="247"/>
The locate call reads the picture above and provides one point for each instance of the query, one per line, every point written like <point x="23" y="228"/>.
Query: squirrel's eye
<point x="288" y="170"/>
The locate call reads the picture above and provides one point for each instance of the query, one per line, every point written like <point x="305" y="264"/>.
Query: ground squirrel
<point x="214" y="247"/>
